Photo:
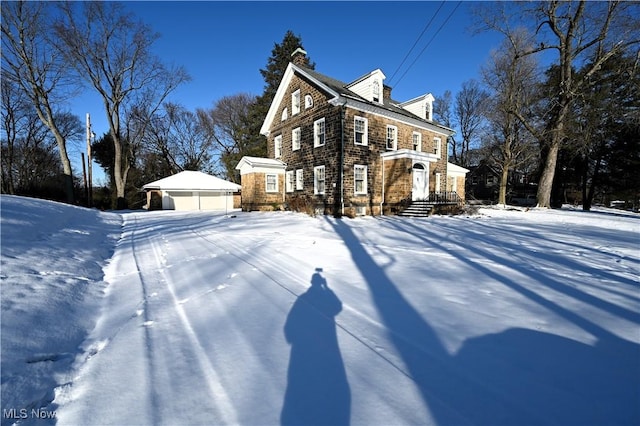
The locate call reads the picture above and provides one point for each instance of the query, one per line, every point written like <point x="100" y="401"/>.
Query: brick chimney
<point x="386" y="92"/>
<point x="299" y="57"/>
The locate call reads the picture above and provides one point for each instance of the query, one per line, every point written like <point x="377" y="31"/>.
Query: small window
<point x="299" y="180"/>
<point x="360" y="130"/>
<point x="392" y="138"/>
<point x="360" y="179"/>
<point x="490" y="180"/>
<point x="375" y="90"/>
<point x="271" y="182"/>
<point x="288" y="182"/>
<point x="277" y="146"/>
<point x="417" y="141"/>
<point x="318" y="180"/>
<point x="437" y="147"/>
<point x="295" y="102"/>
<point x="438" y="178"/>
<point x="308" y="102"/>
<point x="295" y="139"/>
<point x="285" y="115"/>
<point x="318" y="133"/>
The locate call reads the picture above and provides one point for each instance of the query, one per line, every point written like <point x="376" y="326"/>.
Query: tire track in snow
<point x="217" y="394"/>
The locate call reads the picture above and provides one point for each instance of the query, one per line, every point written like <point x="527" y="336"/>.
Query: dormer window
<point x="295" y="102"/>
<point x="375" y="90"/>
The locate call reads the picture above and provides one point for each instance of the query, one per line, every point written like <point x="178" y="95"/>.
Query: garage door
<point x="215" y="201"/>
<point x="183" y="200"/>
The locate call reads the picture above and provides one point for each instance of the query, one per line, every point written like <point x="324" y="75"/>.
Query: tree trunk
<point x="545" y="185"/>
<point x="502" y="196"/>
<point x="66" y="167"/>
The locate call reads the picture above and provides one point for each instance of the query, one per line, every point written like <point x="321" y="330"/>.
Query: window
<point x="417" y="141"/>
<point x="318" y="180"/>
<point x="295" y="139"/>
<point x="438" y="177"/>
<point x="360" y="179"/>
<point x="299" y="180"/>
<point x="490" y="180"/>
<point x="375" y="90"/>
<point x="308" y="101"/>
<point x="272" y="182"/>
<point x="392" y="137"/>
<point x="360" y="130"/>
<point x="288" y="181"/>
<point x="318" y="133"/>
<point x="285" y="115"/>
<point x="454" y="184"/>
<point x="295" y="102"/>
<point x="437" y="147"/>
<point x="277" y="146"/>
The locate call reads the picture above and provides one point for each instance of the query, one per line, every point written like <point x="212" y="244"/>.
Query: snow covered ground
<point x="502" y="318"/>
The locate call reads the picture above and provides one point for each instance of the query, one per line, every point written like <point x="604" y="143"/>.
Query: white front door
<point x="420" y="189"/>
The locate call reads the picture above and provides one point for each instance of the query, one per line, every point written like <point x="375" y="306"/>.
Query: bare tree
<point x="39" y="70"/>
<point x="225" y="122"/>
<point x="442" y="114"/>
<point x="468" y="112"/>
<point x="112" y="52"/>
<point x="179" y="137"/>
<point x="580" y="32"/>
<point x="513" y="81"/>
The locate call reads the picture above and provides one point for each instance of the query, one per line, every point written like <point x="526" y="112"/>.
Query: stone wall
<point x="255" y="196"/>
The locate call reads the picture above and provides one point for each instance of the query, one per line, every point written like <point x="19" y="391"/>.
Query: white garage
<point x="190" y="190"/>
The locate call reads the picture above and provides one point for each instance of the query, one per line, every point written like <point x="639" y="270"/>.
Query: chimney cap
<point x="299" y="50"/>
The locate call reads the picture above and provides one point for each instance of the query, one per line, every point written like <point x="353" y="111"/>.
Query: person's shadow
<point x="317" y="389"/>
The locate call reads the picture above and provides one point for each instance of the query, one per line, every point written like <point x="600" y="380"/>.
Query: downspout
<point x="382" y="200"/>
<point x="342" y="114"/>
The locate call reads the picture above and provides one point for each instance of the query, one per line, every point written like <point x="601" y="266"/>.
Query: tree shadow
<point x="317" y="389"/>
<point x="515" y="377"/>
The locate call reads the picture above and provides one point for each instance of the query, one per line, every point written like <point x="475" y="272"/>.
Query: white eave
<point x="260" y="165"/>
<point x="282" y="89"/>
<point x="411" y="154"/>
<point x="454" y="168"/>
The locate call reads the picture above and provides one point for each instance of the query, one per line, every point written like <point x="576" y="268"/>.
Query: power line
<point x="427" y="45"/>
<point x="417" y="40"/>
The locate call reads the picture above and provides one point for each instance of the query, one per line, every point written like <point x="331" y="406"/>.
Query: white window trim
<point x="438" y="184"/>
<point x="437" y="142"/>
<point x="364" y="185"/>
<point x="299" y="179"/>
<point x="288" y="181"/>
<point x="315" y="180"/>
<point x="308" y="101"/>
<point x="365" y="136"/>
<point x="295" y="102"/>
<point x="293" y="138"/>
<point x="266" y="182"/>
<point x="395" y="141"/>
<point x="316" y="136"/>
<point x="285" y="115"/>
<point x="277" y="147"/>
<point x="419" y="135"/>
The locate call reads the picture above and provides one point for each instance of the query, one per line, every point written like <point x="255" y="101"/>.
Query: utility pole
<point x="89" y="178"/>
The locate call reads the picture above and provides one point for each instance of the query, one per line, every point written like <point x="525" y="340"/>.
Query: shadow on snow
<point x="317" y="389"/>
<point x="515" y="377"/>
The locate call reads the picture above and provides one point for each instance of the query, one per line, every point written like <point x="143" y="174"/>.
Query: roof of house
<point x="340" y="89"/>
<point x="194" y="181"/>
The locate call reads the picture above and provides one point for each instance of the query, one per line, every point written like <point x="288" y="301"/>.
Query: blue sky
<point x="224" y="44"/>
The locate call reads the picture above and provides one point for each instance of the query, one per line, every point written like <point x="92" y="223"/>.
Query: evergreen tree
<point x="251" y="141"/>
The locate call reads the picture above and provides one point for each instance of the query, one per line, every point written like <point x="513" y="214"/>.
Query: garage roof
<point x="192" y="181"/>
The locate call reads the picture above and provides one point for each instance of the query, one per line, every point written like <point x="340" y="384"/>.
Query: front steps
<point x="417" y="209"/>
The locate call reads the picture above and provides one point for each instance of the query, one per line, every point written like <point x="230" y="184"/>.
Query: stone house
<point x="348" y="148"/>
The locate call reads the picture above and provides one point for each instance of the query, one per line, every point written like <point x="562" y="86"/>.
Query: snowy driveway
<point x="278" y="318"/>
